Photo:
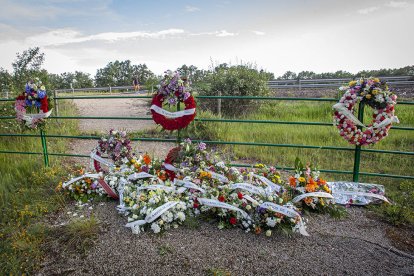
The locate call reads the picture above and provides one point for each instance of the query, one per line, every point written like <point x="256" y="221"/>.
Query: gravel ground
<point x="353" y="246"/>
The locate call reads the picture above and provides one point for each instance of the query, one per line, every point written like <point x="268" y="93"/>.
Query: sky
<point x="277" y="36"/>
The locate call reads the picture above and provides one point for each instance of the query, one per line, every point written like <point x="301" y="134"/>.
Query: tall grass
<point x="314" y="135"/>
<point x="27" y="191"/>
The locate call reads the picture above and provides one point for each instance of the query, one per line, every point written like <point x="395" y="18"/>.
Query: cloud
<point x="13" y="10"/>
<point x="191" y="9"/>
<point x="367" y="10"/>
<point x="396" y="4"/>
<point x="258" y="33"/>
<point x="224" y="33"/>
<point x="65" y="36"/>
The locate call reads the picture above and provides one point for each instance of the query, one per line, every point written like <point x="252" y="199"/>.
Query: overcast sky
<point x="319" y="35"/>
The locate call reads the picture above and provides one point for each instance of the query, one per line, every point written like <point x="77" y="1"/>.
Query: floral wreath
<point x="374" y="93"/>
<point x="118" y="148"/>
<point x="173" y="89"/>
<point x="34" y="98"/>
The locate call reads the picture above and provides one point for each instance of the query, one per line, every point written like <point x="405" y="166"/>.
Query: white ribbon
<point x="101" y="160"/>
<point x="188" y="185"/>
<point x="219" y="204"/>
<point x="170" y="167"/>
<point x="217" y="176"/>
<point x="315" y="194"/>
<point x="340" y="107"/>
<point x="154" y="214"/>
<point x="269" y="183"/>
<point x="37" y="116"/>
<point x="393" y="119"/>
<point x="252" y="200"/>
<point x="140" y="175"/>
<point x="172" y="115"/>
<point x="73" y="180"/>
<point x="248" y="187"/>
<point x="156" y="187"/>
<point x="381" y="197"/>
<point x="288" y="212"/>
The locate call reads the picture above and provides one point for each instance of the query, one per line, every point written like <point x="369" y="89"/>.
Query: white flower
<point x="181" y="216"/>
<point x="175" y="225"/>
<point x="135" y="229"/>
<point x="270" y="198"/>
<point x="155" y="228"/>
<point x="248" y="207"/>
<point x="268" y="233"/>
<point x="270" y="222"/>
<point x="134" y="216"/>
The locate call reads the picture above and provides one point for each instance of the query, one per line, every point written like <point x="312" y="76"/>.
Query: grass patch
<point x="165" y="249"/>
<point x="27" y="191"/>
<point x="75" y="237"/>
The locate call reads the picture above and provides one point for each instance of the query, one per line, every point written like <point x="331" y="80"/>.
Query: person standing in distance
<point x="135" y="83"/>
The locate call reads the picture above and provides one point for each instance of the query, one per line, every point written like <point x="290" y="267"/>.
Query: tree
<point x="5" y="80"/>
<point x="289" y="75"/>
<point x="28" y="66"/>
<point x="239" y="80"/>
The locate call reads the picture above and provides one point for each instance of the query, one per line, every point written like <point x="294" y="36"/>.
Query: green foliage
<point x="75" y="237"/>
<point x="165" y="249"/>
<point x="120" y="73"/>
<point x="401" y="211"/>
<point x="306" y="75"/>
<point x="239" y="80"/>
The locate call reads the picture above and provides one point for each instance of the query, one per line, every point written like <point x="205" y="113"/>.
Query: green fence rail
<point x="357" y="149"/>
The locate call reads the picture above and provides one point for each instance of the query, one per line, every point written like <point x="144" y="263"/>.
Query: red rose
<point x="233" y="221"/>
<point x="240" y="195"/>
<point x="221" y="198"/>
<point x="195" y="205"/>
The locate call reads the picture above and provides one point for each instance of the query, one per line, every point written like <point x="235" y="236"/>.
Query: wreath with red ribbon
<point x="173" y="89"/>
<point x="375" y="94"/>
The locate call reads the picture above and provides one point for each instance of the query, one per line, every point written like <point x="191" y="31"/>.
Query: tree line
<point x="121" y="73"/>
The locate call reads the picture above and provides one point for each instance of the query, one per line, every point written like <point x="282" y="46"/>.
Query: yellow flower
<point x="375" y="92"/>
<point x="368" y="96"/>
<point x="352" y="83"/>
<point x="302" y="179"/>
<point x="376" y="80"/>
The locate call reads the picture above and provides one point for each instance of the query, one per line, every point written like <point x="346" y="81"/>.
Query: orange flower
<point x="321" y="181"/>
<point x="204" y="174"/>
<point x="147" y="159"/>
<point x="258" y="230"/>
<point x="292" y="181"/>
<point x="88" y="180"/>
<point x="311" y="186"/>
<point x="279" y="215"/>
<point x="308" y="200"/>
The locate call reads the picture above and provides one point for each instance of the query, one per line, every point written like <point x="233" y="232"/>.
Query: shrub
<point x="239" y="80"/>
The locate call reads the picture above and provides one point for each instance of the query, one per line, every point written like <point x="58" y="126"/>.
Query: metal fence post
<point x="357" y="156"/>
<point x="178" y="131"/>
<point x="44" y="148"/>
<point x="219" y="104"/>
<point x="56" y="103"/>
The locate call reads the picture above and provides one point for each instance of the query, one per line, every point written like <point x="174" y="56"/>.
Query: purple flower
<point x="41" y="94"/>
<point x="172" y="101"/>
<point x="201" y="146"/>
<point x="186" y="95"/>
<point x="145" y="168"/>
<point x="187" y="141"/>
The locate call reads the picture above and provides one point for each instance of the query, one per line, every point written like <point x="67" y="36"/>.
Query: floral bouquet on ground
<point x="154" y="206"/>
<point x="33" y="99"/>
<point x="82" y="186"/>
<point x="116" y="146"/>
<point x="310" y="191"/>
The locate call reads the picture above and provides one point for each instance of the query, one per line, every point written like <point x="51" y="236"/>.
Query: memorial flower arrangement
<point x="374" y="93"/>
<point x="82" y="186"/>
<point x="33" y="99"/>
<point x="173" y="89"/>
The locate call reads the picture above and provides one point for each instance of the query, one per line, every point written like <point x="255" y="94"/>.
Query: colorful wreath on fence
<point x="35" y="99"/>
<point x="173" y="89"/>
<point x="374" y="93"/>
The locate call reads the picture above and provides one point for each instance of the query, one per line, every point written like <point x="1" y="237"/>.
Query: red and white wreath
<point x="173" y="89"/>
<point x="374" y="93"/>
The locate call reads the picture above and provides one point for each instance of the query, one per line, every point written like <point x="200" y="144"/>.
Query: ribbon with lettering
<point x="269" y="183"/>
<point x="86" y="175"/>
<point x="219" y="204"/>
<point x="315" y="194"/>
<point x="248" y="187"/>
<point x="172" y="115"/>
<point x="154" y="214"/>
<point x="218" y="176"/>
<point x="188" y="185"/>
<point x="287" y="212"/>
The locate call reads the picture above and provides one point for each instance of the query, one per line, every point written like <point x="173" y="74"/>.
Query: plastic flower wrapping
<point x="195" y="182"/>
